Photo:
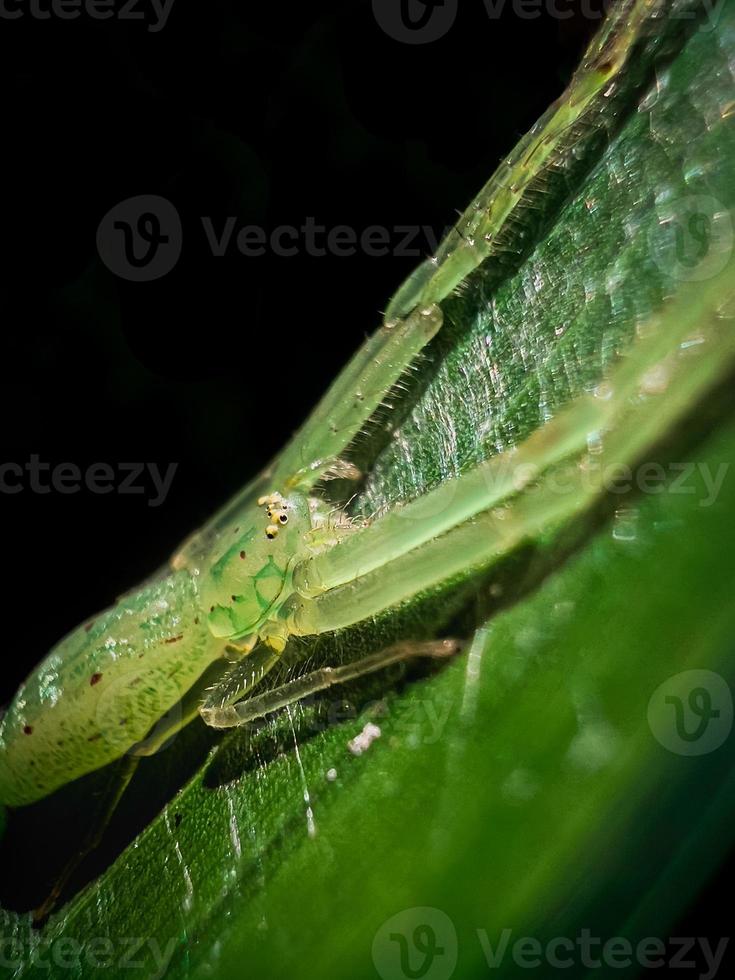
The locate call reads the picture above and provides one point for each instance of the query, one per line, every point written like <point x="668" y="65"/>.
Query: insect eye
<point x="283" y="518"/>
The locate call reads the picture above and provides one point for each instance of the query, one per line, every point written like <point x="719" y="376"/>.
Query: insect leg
<point x="353" y="399"/>
<point x="236" y="683"/>
<point x="383" y="358"/>
<point x="336" y="420"/>
<point x="459" y="528"/>
<point x="124" y="772"/>
<point x="232" y="715"/>
<point x="406" y="528"/>
<point x="477" y="233"/>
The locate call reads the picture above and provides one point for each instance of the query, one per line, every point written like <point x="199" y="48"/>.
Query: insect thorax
<point x="247" y="581"/>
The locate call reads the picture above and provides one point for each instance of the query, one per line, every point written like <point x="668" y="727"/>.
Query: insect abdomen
<point x="102" y="688"/>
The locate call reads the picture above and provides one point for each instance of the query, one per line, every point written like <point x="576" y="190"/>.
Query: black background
<point x="269" y="113"/>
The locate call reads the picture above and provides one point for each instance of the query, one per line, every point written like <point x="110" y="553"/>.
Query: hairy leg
<point x="353" y="399"/>
<point x="237" y="683"/>
<point x="317" y="447"/>
<point x="230" y="715"/>
<point x="459" y="527"/>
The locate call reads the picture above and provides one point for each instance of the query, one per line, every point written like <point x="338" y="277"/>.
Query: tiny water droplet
<point x="692" y="342"/>
<point x="594" y="443"/>
<point x="625" y="524"/>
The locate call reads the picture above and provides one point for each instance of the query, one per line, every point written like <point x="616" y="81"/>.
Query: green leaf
<point x="539" y="783"/>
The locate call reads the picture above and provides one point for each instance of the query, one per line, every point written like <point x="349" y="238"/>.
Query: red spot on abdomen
<point x="28" y="730"/>
<point x="95" y="679"/>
